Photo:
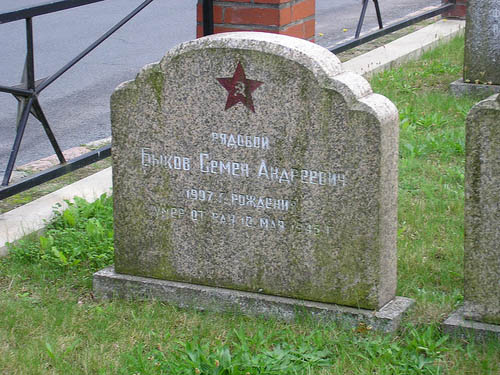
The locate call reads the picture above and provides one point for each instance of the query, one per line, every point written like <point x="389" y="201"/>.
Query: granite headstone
<point x="482" y="212"/>
<point x="482" y="220"/>
<point x="481" y="75"/>
<point x="252" y="162"/>
<point x="482" y="42"/>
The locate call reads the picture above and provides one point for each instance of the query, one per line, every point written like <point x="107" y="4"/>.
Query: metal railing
<point x="359" y="40"/>
<point x="29" y="89"/>
<point x="208" y="23"/>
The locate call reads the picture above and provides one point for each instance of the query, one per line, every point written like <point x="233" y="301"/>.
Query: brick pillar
<point x="460" y="9"/>
<point x="289" y="17"/>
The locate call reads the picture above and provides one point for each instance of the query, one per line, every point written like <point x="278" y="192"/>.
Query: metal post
<point x="26" y="103"/>
<point x="208" y="17"/>
<point x="30" y="63"/>
<point x="22" y="99"/>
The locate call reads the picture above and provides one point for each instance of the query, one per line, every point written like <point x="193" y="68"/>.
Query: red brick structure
<point x="460" y="9"/>
<point x="289" y="17"/>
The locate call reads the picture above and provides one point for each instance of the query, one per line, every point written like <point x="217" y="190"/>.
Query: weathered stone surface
<point x="482" y="213"/>
<point x="250" y="161"/>
<point x="109" y="284"/>
<point x="457" y="325"/>
<point x="482" y="42"/>
<point x="460" y="88"/>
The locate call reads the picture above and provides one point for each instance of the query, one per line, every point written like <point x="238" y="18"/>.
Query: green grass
<point x="431" y="179"/>
<point x="51" y="324"/>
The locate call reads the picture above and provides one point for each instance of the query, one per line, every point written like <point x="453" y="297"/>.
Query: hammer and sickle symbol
<point x="239" y="89"/>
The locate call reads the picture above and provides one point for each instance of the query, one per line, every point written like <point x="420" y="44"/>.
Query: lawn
<point x="51" y="324"/>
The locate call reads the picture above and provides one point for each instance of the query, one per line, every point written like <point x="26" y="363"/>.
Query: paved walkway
<point x="34" y="216"/>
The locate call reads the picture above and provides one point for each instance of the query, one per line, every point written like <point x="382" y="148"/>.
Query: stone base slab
<point x="459" y="88"/>
<point x="457" y="325"/>
<point x="109" y="284"/>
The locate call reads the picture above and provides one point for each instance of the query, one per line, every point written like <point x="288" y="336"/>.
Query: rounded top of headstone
<point x="314" y="57"/>
<point x="325" y="66"/>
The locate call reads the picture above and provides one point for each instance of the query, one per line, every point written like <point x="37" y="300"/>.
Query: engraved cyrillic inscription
<point x="240" y="140"/>
<point x="205" y="164"/>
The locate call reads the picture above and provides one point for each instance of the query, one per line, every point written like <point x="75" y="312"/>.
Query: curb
<point x="34" y="216"/>
<point x="406" y="48"/>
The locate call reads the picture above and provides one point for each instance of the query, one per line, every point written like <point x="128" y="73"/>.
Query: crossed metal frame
<point x="362" y="17"/>
<point x="29" y="89"/>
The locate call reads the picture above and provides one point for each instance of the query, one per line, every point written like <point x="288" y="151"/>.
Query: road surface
<point x="77" y="104"/>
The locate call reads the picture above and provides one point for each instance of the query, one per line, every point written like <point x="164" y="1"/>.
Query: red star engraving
<point x="239" y="88"/>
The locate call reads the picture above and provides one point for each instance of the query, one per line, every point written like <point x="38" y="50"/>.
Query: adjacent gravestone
<point x="250" y="172"/>
<point x="482" y="49"/>
<point x="481" y="311"/>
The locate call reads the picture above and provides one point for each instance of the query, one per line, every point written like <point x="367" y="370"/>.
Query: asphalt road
<point x="77" y="104"/>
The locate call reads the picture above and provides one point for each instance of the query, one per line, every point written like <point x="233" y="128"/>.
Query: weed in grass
<point x="83" y="233"/>
<point x="321" y="351"/>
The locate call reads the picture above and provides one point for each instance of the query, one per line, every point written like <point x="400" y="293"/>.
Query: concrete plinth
<point x="109" y="284"/>
<point x="457" y="325"/>
<point x="459" y="88"/>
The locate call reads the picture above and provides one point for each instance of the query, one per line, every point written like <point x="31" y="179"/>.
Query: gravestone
<point x="482" y="49"/>
<point x="481" y="311"/>
<point x="251" y="173"/>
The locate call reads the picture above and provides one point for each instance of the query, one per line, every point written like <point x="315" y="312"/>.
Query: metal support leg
<point x="17" y="142"/>
<point x="22" y="99"/>
<point x="379" y="16"/>
<point x="41" y="117"/>
<point x="25" y="103"/>
<point x="361" y="19"/>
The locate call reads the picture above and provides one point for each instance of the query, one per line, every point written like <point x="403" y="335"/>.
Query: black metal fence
<point x="208" y="23"/>
<point x="361" y="39"/>
<point x="29" y="89"/>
